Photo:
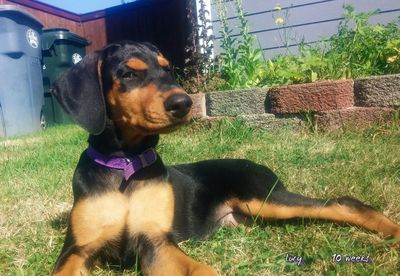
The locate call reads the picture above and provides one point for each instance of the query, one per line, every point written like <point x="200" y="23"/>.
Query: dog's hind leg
<point x="93" y="222"/>
<point x="285" y="205"/>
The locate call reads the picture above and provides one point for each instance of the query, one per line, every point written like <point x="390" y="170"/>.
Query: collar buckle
<point x="143" y="160"/>
<point x="127" y="160"/>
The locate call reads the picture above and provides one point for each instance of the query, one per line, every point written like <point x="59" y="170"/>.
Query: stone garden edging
<point x="331" y="104"/>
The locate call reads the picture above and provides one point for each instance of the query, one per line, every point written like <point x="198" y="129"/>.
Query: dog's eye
<point x="129" y="75"/>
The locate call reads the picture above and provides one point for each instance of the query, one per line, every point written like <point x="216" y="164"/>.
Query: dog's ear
<point x="79" y="91"/>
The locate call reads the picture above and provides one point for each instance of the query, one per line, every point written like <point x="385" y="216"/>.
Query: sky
<point x="83" y="6"/>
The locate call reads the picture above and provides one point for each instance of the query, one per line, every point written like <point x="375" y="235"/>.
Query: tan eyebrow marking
<point x="162" y="61"/>
<point x="137" y="64"/>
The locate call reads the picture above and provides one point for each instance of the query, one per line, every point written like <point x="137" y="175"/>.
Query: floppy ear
<point x="79" y="91"/>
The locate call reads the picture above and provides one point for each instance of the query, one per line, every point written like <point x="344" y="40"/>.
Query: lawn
<point x="35" y="189"/>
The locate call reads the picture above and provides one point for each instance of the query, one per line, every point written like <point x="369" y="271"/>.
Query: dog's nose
<point x="178" y="105"/>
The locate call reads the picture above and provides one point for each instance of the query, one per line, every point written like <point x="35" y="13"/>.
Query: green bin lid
<point x="51" y="35"/>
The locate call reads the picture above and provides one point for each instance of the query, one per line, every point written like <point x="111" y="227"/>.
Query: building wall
<point x="162" y="22"/>
<point x="48" y="19"/>
<point x="95" y="31"/>
<point x="92" y="29"/>
<point x="310" y="20"/>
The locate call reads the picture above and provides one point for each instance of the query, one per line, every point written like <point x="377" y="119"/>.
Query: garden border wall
<point x="328" y="105"/>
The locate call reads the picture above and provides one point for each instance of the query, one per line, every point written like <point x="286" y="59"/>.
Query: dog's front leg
<point x="94" y="221"/>
<point x="150" y="224"/>
<point x="161" y="257"/>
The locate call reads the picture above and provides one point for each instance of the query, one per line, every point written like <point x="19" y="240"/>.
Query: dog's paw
<point x="203" y="270"/>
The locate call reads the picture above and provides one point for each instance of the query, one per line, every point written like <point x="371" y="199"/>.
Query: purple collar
<point x="129" y="165"/>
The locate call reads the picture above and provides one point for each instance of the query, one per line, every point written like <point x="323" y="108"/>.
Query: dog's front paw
<point x="203" y="270"/>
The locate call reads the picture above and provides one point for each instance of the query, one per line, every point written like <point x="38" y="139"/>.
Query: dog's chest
<point x="150" y="208"/>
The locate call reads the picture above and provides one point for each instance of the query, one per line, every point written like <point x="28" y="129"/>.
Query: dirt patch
<point x="25" y="213"/>
<point x="20" y="141"/>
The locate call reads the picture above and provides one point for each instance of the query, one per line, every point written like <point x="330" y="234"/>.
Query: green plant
<point x="364" y="49"/>
<point x="290" y="69"/>
<point x="311" y="123"/>
<point x="241" y="63"/>
<point x="395" y="120"/>
<point x="352" y="52"/>
<point x="287" y="35"/>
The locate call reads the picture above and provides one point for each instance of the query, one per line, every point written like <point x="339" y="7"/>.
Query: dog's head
<point x="129" y="83"/>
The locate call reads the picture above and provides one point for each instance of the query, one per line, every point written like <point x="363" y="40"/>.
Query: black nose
<point x="178" y="105"/>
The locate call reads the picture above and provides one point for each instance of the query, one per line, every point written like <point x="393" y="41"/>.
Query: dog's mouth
<point x="166" y="124"/>
<point x="174" y="126"/>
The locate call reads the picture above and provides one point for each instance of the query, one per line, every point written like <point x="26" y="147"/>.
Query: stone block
<point x="311" y="97"/>
<point x="381" y="91"/>
<point x="199" y="105"/>
<point x="354" y="117"/>
<point x="233" y="103"/>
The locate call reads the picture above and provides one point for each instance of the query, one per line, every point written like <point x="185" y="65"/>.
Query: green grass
<point x="35" y="189"/>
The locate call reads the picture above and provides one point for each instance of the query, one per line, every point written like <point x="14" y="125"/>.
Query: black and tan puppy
<point x="127" y="202"/>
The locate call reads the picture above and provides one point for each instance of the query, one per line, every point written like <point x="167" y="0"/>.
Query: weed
<point x="311" y="123"/>
<point x="357" y="49"/>
<point x="362" y="50"/>
<point x="286" y="34"/>
<point x="241" y="63"/>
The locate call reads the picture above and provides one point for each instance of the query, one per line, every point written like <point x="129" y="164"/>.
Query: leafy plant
<point x="289" y="69"/>
<point x="357" y="49"/>
<point x="363" y="50"/>
<point x="241" y="63"/>
<point x="352" y="52"/>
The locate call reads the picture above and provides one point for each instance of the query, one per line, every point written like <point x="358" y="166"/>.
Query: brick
<point x="354" y="117"/>
<point x="268" y="121"/>
<point x="319" y="96"/>
<point x="233" y="103"/>
<point x="199" y="105"/>
<point x="383" y="91"/>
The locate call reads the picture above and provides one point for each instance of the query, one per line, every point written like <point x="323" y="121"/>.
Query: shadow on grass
<point x="61" y="221"/>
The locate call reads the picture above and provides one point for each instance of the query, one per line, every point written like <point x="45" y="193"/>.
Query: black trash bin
<point x="21" y="87"/>
<point x="61" y="49"/>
